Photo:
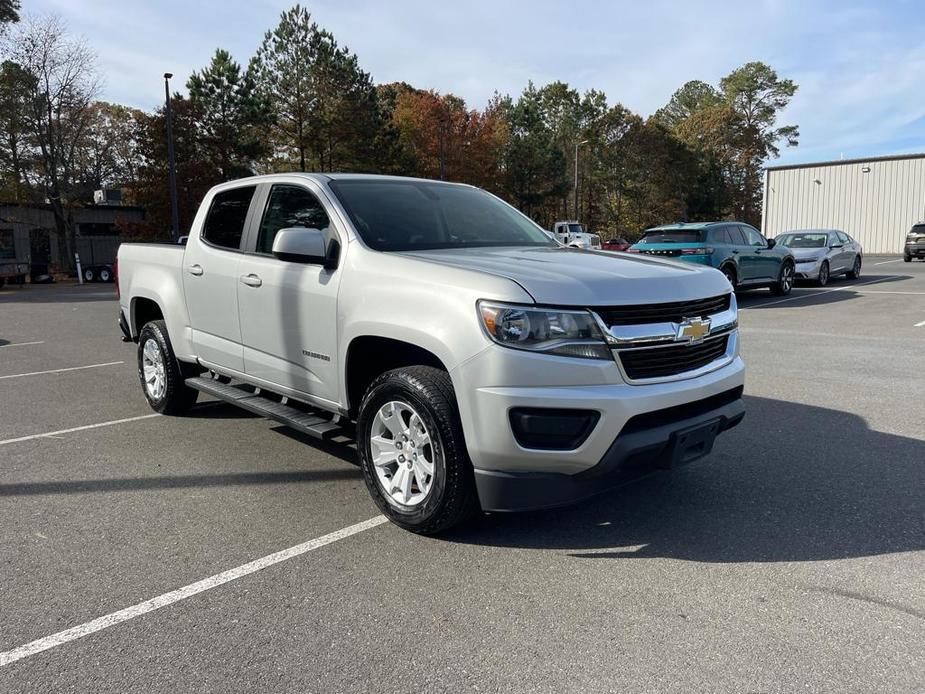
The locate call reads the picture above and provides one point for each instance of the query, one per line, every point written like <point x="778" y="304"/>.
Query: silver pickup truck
<point x="478" y="363"/>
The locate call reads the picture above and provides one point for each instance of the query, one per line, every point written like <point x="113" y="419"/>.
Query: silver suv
<point x="915" y="243"/>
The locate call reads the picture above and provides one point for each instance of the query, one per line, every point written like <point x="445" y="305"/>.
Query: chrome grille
<point x="658" y="362"/>
<point x="673" y="312"/>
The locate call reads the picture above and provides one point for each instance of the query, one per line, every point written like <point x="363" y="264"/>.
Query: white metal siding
<point x="876" y="208"/>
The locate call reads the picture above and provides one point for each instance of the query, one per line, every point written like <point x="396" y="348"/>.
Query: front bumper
<point x="807" y="271"/>
<point x="915" y="250"/>
<point x="656" y="440"/>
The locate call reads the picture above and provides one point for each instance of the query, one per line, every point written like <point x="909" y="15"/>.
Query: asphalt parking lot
<point x="790" y="559"/>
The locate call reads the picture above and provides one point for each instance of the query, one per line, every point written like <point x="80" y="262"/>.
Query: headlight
<point x="566" y="333"/>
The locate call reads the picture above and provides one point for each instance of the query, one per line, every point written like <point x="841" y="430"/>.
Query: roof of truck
<point x="321" y="177"/>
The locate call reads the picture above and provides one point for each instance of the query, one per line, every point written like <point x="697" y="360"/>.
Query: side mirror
<point x="182" y="240"/>
<point x="302" y="245"/>
<point x="837" y="245"/>
<point x="772" y="243"/>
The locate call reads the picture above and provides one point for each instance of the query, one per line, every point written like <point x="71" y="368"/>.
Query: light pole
<point x="577" y="145"/>
<point x="171" y="165"/>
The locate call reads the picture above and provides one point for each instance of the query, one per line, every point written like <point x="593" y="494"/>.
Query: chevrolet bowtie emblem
<point x="693" y="330"/>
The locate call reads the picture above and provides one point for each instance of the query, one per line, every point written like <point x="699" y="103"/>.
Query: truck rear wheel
<point x="412" y="450"/>
<point x="160" y="373"/>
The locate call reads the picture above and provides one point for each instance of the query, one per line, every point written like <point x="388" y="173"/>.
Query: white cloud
<point x="859" y="65"/>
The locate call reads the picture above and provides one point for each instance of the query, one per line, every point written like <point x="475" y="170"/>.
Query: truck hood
<point x="573" y="277"/>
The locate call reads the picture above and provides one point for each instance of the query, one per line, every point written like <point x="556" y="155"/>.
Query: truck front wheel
<point x="412" y="450"/>
<point x="160" y="373"/>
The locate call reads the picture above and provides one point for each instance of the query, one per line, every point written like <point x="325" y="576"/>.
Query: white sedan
<point x="821" y="254"/>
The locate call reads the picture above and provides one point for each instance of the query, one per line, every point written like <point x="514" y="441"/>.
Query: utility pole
<point x="441" y="148"/>
<point x="577" y="145"/>
<point x="171" y="165"/>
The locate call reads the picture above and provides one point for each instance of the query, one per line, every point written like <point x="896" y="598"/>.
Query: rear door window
<point x="736" y="237"/>
<point x="224" y="225"/>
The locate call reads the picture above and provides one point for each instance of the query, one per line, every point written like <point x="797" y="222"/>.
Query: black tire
<point x="105" y="274"/>
<point x="89" y="274"/>
<point x="906" y="258"/>
<point x="452" y="498"/>
<point x="784" y="282"/>
<point x="730" y="272"/>
<point x="823" y="278"/>
<point x="177" y="397"/>
<point x="855" y="270"/>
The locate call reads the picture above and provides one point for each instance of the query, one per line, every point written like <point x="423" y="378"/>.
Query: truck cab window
<point x="224" y="224"/>
<point x="289" y="206"/>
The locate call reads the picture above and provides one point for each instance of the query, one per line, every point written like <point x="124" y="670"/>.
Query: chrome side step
<point x="312" y="422"/>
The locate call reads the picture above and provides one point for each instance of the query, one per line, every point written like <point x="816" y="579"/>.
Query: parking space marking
<point x="23" y="344"/>
<point x="52" y="434"/>
<point x="183" y="593"/>
<point x="58" y="371"/>
<point x="884" y="262"/>
<point x="819" y="293"/>
<point x="919" y="325"/>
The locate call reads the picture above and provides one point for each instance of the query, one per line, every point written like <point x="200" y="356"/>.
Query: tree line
<point x="303" y="103"/>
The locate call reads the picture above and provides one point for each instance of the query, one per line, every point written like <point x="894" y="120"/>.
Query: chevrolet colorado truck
<point x="477" y="363"/>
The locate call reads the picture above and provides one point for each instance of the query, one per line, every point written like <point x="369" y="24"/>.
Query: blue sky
<point x="860" y="65"/>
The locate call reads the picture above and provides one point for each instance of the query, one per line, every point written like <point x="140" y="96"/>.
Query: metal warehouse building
<point x="874" y="200"/>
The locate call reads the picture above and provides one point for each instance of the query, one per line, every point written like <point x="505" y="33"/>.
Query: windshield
<point x="575" y="229"/>
<point x="396" y="215"/>
<point x="803" y="240"/>
<point x="672" y="236"/>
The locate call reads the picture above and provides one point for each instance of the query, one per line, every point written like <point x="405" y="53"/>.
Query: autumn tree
<point x="9" y="12"/>
<point x="533" y="164"/>
<point x="62" y="84"/>
<point x="233" y="116"/>
<point x="734" y="131"/>
<point x="196" y="172"/>
<point x="15" y="144"/>
<point x="691" y="98"/>
<point x="757" y="96"/>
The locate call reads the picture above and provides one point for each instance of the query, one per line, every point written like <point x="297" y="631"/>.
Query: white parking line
<point x="819" y="293"/>
<point x="179" y="594"/>
<point x="58" y="371"/>
<point x="884" y="262"/>
<point x="23" y="344"/>
<point x="52" y="434"/>
<point x="919" y="325"/>
<point x="883" y="291"/>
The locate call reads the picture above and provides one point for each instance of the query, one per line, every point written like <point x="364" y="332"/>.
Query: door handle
<point x="735" y="253"/>
<point x="195" y="269"/>
<point x="251" y="280"/>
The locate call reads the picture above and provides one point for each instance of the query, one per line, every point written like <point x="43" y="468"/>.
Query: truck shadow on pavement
<point x="792" y="483"/>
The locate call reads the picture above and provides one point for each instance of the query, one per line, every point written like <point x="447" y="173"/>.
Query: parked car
<point x="747" y="258"/>
<point x="617" y="244"/>
<point x="821" y="254"/>
<point x="97" y="273"/>
<point x="915" y="243"/>
<point x="572" y="234"/>
<point x="485" y="365"/>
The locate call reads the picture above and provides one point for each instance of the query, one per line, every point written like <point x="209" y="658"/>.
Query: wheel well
<point x="144" y="311"/>
<point x="370" y="356"/>
<point x="731" y="266"/>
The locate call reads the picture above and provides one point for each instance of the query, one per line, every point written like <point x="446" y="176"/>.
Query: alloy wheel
<point x="153" y="369"/>
<point x="402" y="453"/>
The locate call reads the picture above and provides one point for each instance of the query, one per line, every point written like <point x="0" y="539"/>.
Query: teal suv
<point x="747" y="258"/>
